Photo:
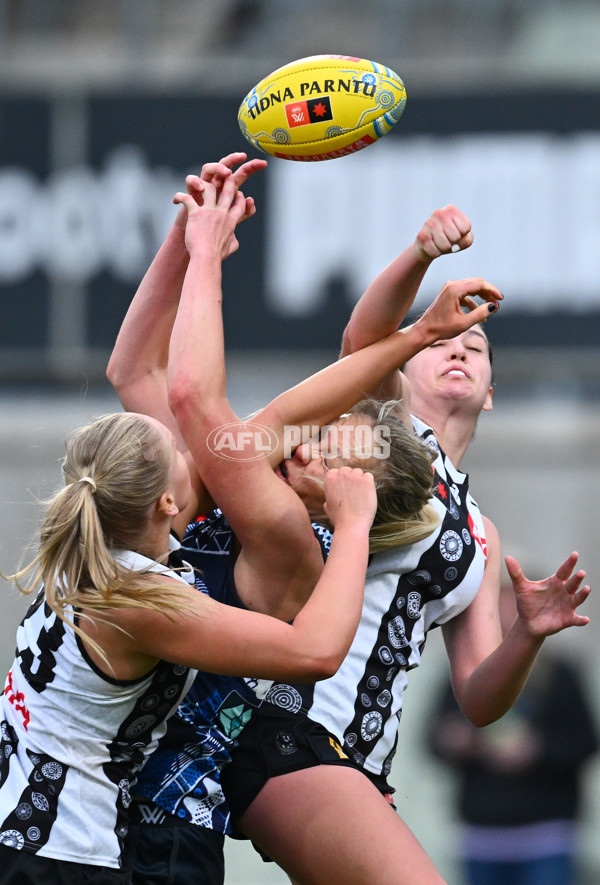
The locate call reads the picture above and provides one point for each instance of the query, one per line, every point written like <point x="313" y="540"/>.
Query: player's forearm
<point x="385" y="303"/>
<point x="496" y="683"/>
<point x="196" y="363"/>
<point x="142" y="344"/>
<point x="337" y="597"/>
<point x="329" y="393"/>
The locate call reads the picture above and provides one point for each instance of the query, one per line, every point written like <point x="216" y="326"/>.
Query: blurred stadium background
<point x="105" y="106"/>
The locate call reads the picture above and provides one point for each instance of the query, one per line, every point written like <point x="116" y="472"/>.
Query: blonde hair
<point x="403" y="480"/>
<point x="115" y="470"/>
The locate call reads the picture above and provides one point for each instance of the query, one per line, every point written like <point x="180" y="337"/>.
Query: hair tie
<point x="89" y="480"/>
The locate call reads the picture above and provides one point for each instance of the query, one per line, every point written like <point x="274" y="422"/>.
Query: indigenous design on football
<point x="322" y="107"/>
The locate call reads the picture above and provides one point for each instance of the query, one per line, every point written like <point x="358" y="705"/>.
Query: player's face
<point x="458" y="369"/>
<point x="348" y="441"/>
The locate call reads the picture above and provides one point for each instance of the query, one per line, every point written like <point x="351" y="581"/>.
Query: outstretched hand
<point x="217" y="174"/>
<point x="447" y="318"/>
<point x="548" y="606"/>
<point x="446" y="230"/>
<point x="211" y="222"/>
<point x="350" y="496"/>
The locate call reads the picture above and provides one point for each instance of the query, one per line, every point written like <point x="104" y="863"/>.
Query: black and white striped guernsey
<point x="409" y="590"/>
<point x="72" y="739"/>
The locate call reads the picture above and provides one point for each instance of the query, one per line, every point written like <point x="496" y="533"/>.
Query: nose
<point x="303" y="453"/>
<point x="457" y="351"/>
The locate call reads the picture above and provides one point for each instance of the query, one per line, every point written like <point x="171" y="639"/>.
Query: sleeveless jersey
<point x="183" y="775"/>
<point x="72" y="738"/>
<point x="409" y="590"/>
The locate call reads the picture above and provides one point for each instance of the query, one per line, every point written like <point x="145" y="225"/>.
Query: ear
<point x="487" y="406"/>
<point x="166" y="504"/>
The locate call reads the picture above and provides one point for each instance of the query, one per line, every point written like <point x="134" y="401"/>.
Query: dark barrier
<point x="85" y="190"/>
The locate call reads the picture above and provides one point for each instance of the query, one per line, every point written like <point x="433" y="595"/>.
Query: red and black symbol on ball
<point x="314" y="110"/>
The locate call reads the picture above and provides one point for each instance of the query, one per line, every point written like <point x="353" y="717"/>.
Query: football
<point x="322" y="107"/>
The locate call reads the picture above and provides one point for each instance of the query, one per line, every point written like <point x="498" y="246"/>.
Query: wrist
<point x="353" y="527"/>
<point x="175" y="244"/>
<point x="527" y="633"/>
<point x="206" y="254"/>
<point x="418" y="335"/>
<point x="422" y="258"/>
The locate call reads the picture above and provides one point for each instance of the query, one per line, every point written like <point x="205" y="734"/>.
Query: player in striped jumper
<point x="178" y="301"/>
<point x="450" y="579"/>
<point x="115" y="637"/>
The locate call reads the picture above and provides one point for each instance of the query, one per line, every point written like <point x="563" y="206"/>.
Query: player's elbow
<point x="349" y="344"/>
<point x="326" y="666"/>
<point x="184" y="395"/>
<point x="480" y="716"/>
<point x="114" y="373"/>
<point x="178" y="394"/>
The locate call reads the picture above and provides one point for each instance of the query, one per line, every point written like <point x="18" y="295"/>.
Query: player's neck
<point x="453" y="429"/>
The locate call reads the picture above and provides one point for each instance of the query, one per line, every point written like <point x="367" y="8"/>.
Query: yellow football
<point x="322" y="107"/>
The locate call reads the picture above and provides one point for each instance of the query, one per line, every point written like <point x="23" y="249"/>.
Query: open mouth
<point x="281" y="470"/>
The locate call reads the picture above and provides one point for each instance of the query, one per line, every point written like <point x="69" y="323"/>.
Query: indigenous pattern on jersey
<point x="183" y="776"/>
<point x="409" y="590"/>
<point x="72" y="738"/>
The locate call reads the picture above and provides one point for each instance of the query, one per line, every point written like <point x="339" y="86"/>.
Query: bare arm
<point x="488" y="672"/>
<point x="137" y="368"/>
<point x="388" y="299"/>
<point x="279" y="560"/>
<point x="223" y="639"/>
<point x="198" y="397"/>
<point x="138" y="363"/>
<point x="335" y="389"/>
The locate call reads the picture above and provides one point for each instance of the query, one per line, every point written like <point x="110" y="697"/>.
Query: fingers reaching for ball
<point x="212" y="214"/>
<point x="220" y="172"/>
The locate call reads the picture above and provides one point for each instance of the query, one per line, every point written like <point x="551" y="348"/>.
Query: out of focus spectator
<point x="520" y="780"/>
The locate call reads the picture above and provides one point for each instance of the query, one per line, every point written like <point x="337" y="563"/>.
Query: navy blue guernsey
<point x="183" y="775"/>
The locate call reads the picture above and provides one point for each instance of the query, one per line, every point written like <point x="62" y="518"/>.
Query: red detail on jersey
<point x="17" y="699"/>
<point x="481" y="539"/>
<point x="442" y="490"/>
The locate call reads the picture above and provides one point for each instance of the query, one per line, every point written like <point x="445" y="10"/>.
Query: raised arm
<point x="488" y="672"/>
<point x="335" y="389"/>
<point x="388" y="299"/>
<point x="198" y="397"/>
<point x="280" y="559"/>
<point x="138" y="363"/>
<point x="137" y="368"/>
<point x="224" y="639"/>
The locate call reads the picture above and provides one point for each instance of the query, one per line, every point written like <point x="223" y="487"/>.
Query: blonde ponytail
<point x="115" y="470"/>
